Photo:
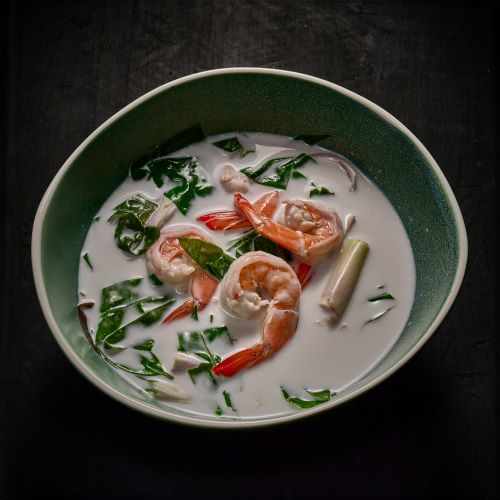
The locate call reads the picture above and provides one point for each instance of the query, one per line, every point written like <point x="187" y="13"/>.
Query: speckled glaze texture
<point x="265" y="101"/>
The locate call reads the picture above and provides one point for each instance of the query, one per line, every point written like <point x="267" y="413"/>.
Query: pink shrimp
<point x="217" y="221"/>
<point x="172" y="265"/>
<point x="254" y="281"/>
<point x="310" y="231"/>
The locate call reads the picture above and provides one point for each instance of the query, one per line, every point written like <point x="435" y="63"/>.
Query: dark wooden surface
<point x="427" y="432"/>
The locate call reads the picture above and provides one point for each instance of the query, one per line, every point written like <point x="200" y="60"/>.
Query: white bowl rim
<point x="36" y="250"/>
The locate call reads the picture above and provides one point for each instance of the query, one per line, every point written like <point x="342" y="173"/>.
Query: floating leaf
<point x="131" y="233"/>
<point x="383" y="296"/>
<point x="320" y="396"/>
<point x="208" y="256"/>
<point x="231" y="145"/>
<point x="184" y="138"/>
<point x="319" y="191"/>
<point x="282" y="172"/>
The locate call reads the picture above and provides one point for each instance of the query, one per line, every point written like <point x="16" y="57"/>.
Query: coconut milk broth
<point x="319" y="355"/>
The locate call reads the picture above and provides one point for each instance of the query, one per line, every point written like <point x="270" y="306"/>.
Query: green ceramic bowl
<point x="262" y="100"/>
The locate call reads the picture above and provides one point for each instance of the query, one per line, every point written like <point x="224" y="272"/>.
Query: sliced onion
<point x="343" y="163"/>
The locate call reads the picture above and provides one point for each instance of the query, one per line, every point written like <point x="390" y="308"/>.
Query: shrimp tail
<point x="282" y="235"/>
<point x="304" y="273"/>
<point x="182" y="311"/>
<point x="219" y="221"/>
<point x="241" y="360"/>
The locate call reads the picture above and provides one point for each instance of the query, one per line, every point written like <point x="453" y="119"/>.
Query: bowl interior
<point x="274" y="102"/>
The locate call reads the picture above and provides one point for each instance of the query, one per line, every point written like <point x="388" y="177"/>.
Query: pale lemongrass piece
<point x="162" y="214"/>
<point x="183" y="362"/>
<point x="349" y="222"/>
<point x="168" y="390"/>
<point x="344" y="276"/>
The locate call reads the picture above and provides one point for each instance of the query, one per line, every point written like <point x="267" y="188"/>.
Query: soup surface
<point x="321" y="358"/>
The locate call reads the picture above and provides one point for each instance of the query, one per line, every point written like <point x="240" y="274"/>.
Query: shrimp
<point x="255" y="281"/>
<point x="217" y="221"/>
<point x="171" y="264"/>
<point x="234" y="181"/>
<point x="309" y="231"/>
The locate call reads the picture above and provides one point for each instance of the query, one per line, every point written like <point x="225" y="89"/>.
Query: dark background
<point x="427" y="432"/>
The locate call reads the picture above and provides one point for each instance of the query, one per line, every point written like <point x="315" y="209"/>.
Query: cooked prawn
<point x="171" y="264"/>
<point x="255" y="281"/>
<point x="217" y="221"/>
<point x="309" y="231"/>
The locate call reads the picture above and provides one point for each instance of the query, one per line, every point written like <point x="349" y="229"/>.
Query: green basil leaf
<point x="86" y="258"/>
<point x="131" y="233"/>
<point x="208" y="256"/>
<point x="298" y="175"/>
<point x="197" y="343"/>
<point x="282" y="173"/>
<point x="119" y="294"/>
<point x="232" y="145"/>
<point x="185" y="173"/>
<point x="152" y="365"/>
<point x="193" y="341"/>
<point x="320" y="396"/>
<point x="252" y="241"/>
<point x="383" y="296"/>
<point x="194" y="312"/>
<point x="115" y="299"/>
<point x="202" y="369"/>
<point x="319" y="191"/>
<point x="147" y="345"/>
<point x="181" y="140"/>
<point x="154" y="280"/>
<point x="227" y="400"/>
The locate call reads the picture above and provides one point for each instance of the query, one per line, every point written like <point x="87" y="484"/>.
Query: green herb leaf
<point x="252" y="241"/>
<point x="194" y="312"/>
<point x="282" y="173"/>
<point x="298" y="175"/>
<point x="196" y="343"/>
<point x="147" y="345"/>
<point x="232" y="145"/>
<point x="118" y="294"/>
<point x="185" y="173"/>
<point x="151" y="366"/>
<point x="208" y="256"/>
<point x="86" y="258"/>
<point x="193" y="341"/>
<point x="154" y="280"/>
<point x="319" y="191"/>
<point x="181" y="140"/>
<point x="131" y="234"/>
<point x="382" y="296"/>
<point x="227" y="400"/>
<point x="115" y="299"/>
<point x="320" y="396"/>
<point x="218" y="411"/>
<point x="379" y="315"/>
<point x="310" y="139"/>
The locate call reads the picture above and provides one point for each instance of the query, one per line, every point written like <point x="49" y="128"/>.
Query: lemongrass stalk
<point x="162" y="214"/>
<point x="344" y="276"/>
<point x="183" y="362"/>
<point x="168" y="390"/>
